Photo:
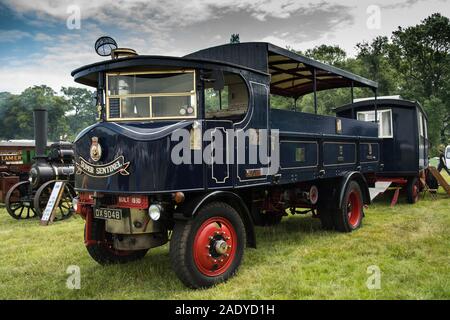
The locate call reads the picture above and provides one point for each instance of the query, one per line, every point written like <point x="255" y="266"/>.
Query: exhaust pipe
<point x="40" y="132"/>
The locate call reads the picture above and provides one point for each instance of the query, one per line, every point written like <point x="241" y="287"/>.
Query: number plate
<point x="108" y="214"/>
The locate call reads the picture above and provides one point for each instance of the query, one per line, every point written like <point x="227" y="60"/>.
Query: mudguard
<point x="190" y="209"/>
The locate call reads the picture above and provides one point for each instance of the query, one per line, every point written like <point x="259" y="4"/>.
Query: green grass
<point x="295" y="260"/>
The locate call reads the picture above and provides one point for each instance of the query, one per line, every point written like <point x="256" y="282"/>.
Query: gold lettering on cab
<point x="118" y="165"/>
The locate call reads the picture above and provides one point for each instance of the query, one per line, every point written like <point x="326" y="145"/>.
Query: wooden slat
<point x="440" y="179"/>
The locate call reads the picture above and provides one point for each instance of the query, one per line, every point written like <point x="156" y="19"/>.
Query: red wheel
<point x="413" y="190"/>
<point x="209" y="248"/>
<point x="354" y="209"/>
<point x="215" y="246"/>
<point x="349" y="217"/>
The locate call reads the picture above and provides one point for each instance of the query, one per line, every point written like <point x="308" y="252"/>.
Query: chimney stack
<point x="40" y="132"/>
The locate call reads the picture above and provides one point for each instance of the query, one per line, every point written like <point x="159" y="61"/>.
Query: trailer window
<point x="422" y="125"/>
<point x="151" y="95"/>
<point x="384" y="118"/>
<point x="231" y="102"/>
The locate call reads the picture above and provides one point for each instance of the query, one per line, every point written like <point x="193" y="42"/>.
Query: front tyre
<point x="349" y="217"/>
<point x="101" y="248"/>
<point x="208" y="249"/>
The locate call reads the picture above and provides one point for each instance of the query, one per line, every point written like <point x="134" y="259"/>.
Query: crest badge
<point x="96" y="149"/>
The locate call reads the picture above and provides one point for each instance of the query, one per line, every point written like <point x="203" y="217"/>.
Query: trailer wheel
<point x="349" y="217"/>
<point x="208" y="249"/>
<point x="102" y="251"/>
<point x="412" y="190"/>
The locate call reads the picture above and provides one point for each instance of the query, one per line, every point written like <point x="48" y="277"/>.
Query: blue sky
<point x="37" y="47"/>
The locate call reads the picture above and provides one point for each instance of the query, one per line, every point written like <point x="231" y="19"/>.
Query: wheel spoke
<point x="19" y="205"/>
<point x="20" y="213"/>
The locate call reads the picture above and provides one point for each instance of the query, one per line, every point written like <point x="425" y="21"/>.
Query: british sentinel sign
<point x="103" y="170"/>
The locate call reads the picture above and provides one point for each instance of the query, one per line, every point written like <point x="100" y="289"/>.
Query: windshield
<point x="151" y="95"/>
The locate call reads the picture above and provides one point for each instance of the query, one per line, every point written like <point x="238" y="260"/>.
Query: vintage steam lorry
<point x="28" y="198"/>
<point x="135" y="193"/>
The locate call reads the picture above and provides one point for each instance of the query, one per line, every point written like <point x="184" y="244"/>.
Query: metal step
<point x="380" y="187"/>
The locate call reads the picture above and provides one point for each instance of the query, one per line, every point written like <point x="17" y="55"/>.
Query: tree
<point x="83" y="111"/>
<point x="333" y="55"/>
<point x="17" y="121"/>
<point x="375" y="64"/>
<point x="421" y="54"/>
<point x="435" y="108"/>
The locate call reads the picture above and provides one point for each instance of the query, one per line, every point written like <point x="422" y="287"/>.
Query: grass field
<point x="295" y="260"/>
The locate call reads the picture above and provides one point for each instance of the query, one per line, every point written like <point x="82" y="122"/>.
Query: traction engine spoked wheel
<point x="65" y="208"/>
<point x="209" y="248"/>
<point x="19" y="202"/>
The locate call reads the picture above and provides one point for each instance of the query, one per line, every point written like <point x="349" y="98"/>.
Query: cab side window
<point x="230" y="102"/>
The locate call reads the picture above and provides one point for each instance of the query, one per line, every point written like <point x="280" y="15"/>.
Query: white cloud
<point x="42" y="37"/>
<point x="12" y="35"/>
<point x="180" y="26"/>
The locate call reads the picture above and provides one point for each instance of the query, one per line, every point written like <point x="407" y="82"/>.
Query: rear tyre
<point x="326" y="205"/>
<point x="349" y="217"/>
<point x="103" y="251"/>
<point x="208" y="249"/>
<point x="325" y="213"/>
<point x="412" y="190"/>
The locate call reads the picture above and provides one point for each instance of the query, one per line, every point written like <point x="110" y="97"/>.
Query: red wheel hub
<point x="215" y="246"/>
<point x="354" y="209"/>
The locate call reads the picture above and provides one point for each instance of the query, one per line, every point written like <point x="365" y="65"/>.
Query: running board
<point x="380" y="187"/>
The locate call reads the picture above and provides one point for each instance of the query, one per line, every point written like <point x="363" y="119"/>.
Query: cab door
<point x="218" y="153"/>
<point x="253" y="140"/>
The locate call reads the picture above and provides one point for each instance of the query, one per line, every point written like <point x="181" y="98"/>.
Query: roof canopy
<point x="292" y="75"/>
